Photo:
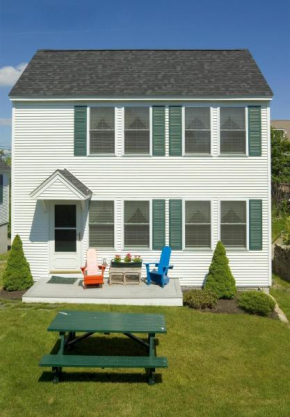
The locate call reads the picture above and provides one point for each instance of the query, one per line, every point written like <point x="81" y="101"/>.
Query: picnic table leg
<point x="57" y="370"/>
<point x="151" y="342"/>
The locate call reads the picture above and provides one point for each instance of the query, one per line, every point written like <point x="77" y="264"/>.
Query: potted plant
<point x="128" y="262"/>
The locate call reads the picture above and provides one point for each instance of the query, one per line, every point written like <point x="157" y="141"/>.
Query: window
<point x="197" y="224"/>
<point x="197" y="130"/>
<point x="136" y="224"/>
<point x="102" y="130"/>
<point x="233" y="131"/>
<point x="137" y="131"/>
<point x="234" y="223"/>
<point x="101" y="224"/>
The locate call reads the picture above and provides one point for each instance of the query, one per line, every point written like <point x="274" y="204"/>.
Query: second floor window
<point x="232" y="131"/>
<point x="197" y="130"/>
<point x="101" y="224"/>
<point x="102" y="130"/>
<point x="137" y="131"/>
<point x="136" y="224"/>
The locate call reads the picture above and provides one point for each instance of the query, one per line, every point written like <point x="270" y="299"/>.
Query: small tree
<point x="17" y="275"/>
<point x="220" y="279"/>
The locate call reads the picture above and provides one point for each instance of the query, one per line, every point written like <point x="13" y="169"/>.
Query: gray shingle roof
<point x="75" y="182"/>
<point x="4" y="167"/>
<point x="129" y="73"/>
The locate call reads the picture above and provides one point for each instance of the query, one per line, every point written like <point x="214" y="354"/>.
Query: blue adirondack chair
<point x="159" y="275"/>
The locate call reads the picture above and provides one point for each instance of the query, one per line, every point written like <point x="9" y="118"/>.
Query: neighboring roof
<point x="69" y="179"/>
<point x="131" y="73"/>
<point x="283" y="125"/>
<point x="4" y="167"/>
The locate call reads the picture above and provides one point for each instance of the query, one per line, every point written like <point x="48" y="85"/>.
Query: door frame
<point x="79" y="236"/>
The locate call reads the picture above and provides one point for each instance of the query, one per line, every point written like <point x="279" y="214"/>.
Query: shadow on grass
<point x="109" y="378"/>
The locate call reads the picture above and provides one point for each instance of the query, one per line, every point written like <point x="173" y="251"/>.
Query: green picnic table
<point x="67" y="323"/>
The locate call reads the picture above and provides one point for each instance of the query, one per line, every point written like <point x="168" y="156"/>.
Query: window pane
<point x="197" y="236"/>
<point x="102" y="142"/>
<point x="102" y="236"/>
<point x="136" y="118"/>
<point x="197" y="118"/>
<point x="65" y="216"/>
<point x="65" y="240"/>
<point x="233" y="212"/>
<point x="232" y="118"/>
<point x="102" y="118"/>
<point x="197" y="141"/>
<point x="233" y="235"/>
<point x="102" y="212"/>
<point x="197" y="211"/>
<point x="137" y="235"/>
<point x="137" y="212"/>
<point x="137" y="142"/>
<point x="233" y="142"/>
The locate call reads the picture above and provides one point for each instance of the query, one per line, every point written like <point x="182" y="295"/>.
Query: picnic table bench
<point x="68" y="323"/>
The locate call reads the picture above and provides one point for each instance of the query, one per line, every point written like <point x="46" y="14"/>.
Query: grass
<point x="281" y="292"/>
<point x="278" y="224"/>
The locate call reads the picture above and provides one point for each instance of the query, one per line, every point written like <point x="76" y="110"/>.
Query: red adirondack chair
<point x="92" y="272"/>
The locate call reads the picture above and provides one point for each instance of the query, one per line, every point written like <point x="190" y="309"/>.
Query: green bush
<point x="200" y="299"/>
<point x="256" y="302"/>
<point x="220" y="279"/>
<point x="17" y="275"/>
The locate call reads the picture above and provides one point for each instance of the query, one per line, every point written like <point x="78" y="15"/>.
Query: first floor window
<point x="234" y="223"/>
<point x="136" y="224"/>
<point x="232" y="130"/>
<point x="102" y="130"/>
<point x="101" y="224"/>
<point x="197" y="130"/>
<point x="197" y="224"/>
<point x="137" y="130"/>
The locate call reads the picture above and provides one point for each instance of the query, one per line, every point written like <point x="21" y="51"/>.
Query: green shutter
<point x="175" y="131"/>
<point x="255" y="224"/>
<point x="254" y="116"/>
<point x="1" y="188"/>
<point x="175" y="224"/>
<point x="158" y="224"/>
<point x="158" y="131"/>
<point x="80" y="136"/>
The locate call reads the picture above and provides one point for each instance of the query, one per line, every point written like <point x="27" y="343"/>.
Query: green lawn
<point x="281" y="291"/>
<point x="219" y="365"/>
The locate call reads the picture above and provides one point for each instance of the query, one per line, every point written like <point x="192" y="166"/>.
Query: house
<point x="129" y="150"/>
<point x="283" y="125"/>
<point x="4" y="205"/>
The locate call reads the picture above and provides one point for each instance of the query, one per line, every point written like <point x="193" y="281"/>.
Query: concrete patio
<point x="150" y="295"/>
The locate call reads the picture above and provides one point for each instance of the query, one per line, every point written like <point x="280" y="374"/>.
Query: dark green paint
<point x="255" y="225"/>
<point x="175" y="131"/>
<point x="158" y="224"/>
<point x="80" y="132"/>
<point x="175" y="224"/>
<point x="158" y="130"/>
<point x="254" y="130"/>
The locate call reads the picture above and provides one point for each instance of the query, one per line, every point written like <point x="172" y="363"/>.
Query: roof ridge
<point x="143" y="49"/>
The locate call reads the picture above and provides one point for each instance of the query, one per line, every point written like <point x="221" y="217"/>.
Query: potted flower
<point x="135" y="262"/>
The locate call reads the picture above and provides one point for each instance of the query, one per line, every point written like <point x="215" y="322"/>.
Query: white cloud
<point x="9" y="75"/>
<point x="5" y="122"/>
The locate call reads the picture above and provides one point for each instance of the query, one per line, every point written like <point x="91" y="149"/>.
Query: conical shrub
<point x="17" y="275"/>
<point x="220" y="279"/>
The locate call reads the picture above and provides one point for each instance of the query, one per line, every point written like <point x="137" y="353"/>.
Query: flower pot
<point x="126" y="264"/>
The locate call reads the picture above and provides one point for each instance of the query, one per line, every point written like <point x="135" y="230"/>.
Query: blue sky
<point x="263" y="26"/>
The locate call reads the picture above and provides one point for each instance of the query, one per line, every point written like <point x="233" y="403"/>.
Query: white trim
<point x="269" y="195"/>
<point x="141" y="98"/>
<point x="13" y="174"/>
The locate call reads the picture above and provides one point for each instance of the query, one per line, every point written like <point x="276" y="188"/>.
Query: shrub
<point x="200" y="299"/>
<point x="256" y="302"/>
<point x="220" y="279"/>
<point x="17" y="275"/>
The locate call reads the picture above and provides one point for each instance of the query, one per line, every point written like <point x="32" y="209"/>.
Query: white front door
<point x="65" y="236"/>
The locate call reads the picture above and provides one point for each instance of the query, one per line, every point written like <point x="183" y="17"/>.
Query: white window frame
<point x="142" y="248"/>
<point x="229" y="155"/>
<point x="232" y="248"/>
<point x="200" y="249"/>
<point x="138" y="155"/>
<point x="115" y="224"/>
<point x="197" y="155"/>
<point x="101" y="155"/>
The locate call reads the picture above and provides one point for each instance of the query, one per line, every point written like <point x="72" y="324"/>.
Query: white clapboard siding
<point x="4" y="207"/>
<point x="43" y="141"/>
